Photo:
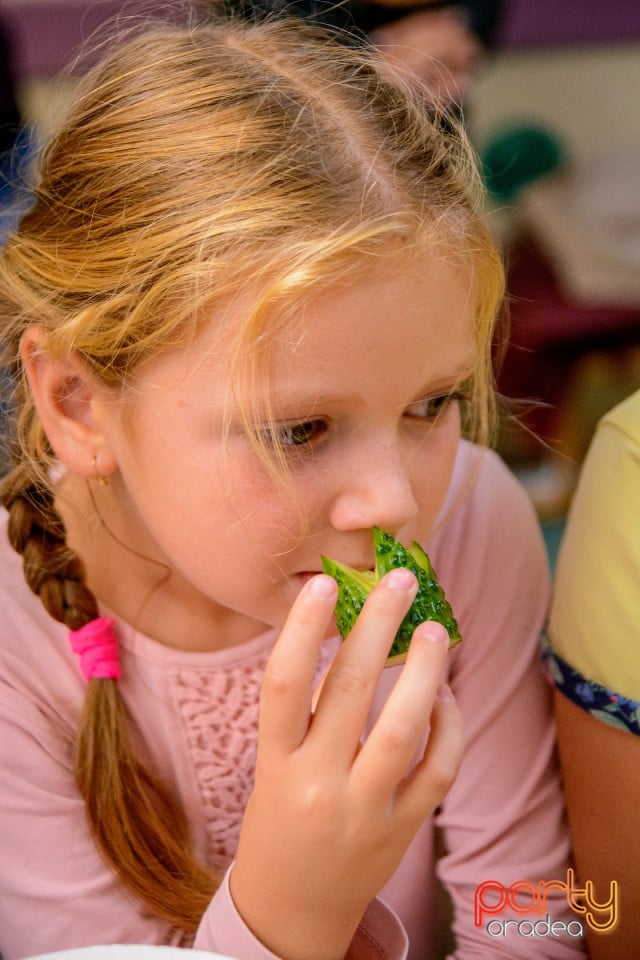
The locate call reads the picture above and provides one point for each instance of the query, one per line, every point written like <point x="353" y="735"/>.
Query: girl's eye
<point x="432" y="407"/>
<point x="293" y="434"/>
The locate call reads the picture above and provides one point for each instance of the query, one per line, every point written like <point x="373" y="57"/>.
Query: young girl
<point x="593" y="657"/>
<point x="247" y="313"/>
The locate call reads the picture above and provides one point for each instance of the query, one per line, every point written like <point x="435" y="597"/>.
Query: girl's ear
<point x="67" y="400"/>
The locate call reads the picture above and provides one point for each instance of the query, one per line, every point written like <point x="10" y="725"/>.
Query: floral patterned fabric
<point x="601" y="703"/>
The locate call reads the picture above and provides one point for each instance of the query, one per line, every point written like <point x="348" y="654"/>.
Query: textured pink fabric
<point x="194" y="716"/>
<point x="97" y="646"/>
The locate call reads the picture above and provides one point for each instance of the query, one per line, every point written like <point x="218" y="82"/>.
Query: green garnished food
<point x="354" y="586"/>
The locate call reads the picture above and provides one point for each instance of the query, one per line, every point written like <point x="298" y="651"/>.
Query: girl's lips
<point x="308" y="574"/>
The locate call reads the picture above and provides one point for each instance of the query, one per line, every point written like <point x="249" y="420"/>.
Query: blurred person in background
<point x="441" y="43"/>
<point x="13" y="146"/>
<point x="13" y="139"/>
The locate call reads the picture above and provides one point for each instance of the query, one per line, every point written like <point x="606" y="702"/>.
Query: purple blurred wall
<point x="48" y="33"/>
<point x="548" y="22"/>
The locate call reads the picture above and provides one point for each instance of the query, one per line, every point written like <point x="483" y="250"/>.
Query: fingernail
<point x="401" y="579"/>
<point x="444" y="693"/>
<point x="322" y="586"/>
<point x="434" y="631"/>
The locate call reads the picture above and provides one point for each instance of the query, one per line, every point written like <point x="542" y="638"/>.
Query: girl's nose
<point x="374" y="489"/>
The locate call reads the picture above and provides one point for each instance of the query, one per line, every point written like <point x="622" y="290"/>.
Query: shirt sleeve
<point x="594" y="628"/>
<point x="379" y="937"/>
<point x="503" y="820"/>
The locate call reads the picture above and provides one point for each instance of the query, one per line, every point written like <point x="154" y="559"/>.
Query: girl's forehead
<point x="392" y="313"/>
<point x="412" y="321"/>
<point x="410" y="271"/>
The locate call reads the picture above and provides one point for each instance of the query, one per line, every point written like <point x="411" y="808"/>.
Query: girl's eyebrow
<point x="314" y="400"/>
<point x="447" y="382"/>
<point x="442" y="384"/>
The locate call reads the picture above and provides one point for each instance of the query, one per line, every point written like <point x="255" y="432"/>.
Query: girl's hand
<point x="331" y="817"/>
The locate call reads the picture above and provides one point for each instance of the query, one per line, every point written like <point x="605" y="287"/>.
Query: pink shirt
<point x="196" y="713"/>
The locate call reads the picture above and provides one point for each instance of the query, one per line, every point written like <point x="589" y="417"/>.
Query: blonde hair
<point x="196" y="160"/>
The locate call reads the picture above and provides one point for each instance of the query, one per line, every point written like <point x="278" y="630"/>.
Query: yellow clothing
<point x="595" y="617"/>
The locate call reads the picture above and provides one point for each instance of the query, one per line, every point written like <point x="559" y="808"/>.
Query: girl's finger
<point x="348" y="688"/>
<point x="430" y="780"/>
<point x="287" y="687"/>
<point x="401" y="730"/>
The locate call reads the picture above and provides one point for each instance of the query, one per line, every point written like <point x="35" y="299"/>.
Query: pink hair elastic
<point x="97" y="647"/>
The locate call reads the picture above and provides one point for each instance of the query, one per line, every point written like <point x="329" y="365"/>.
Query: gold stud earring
<point x="103" y="481"/>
